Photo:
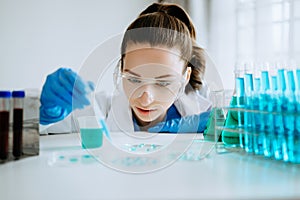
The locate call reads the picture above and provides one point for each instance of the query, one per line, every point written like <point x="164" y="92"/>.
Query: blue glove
<point x="62" y="92"/>
<point x="188" y="124"/>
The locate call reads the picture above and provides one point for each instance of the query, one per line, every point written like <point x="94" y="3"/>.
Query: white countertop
<point x="65" y="171"/>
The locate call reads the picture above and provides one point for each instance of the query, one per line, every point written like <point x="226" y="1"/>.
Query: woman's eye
<point x="163" y="83"/>
<point x="134" y="80"/>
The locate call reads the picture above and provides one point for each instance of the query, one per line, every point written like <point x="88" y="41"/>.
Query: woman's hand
<point x="63" y="92"/>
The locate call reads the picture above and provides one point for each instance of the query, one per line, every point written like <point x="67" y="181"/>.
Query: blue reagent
<point x="258" y="120"/>
<point x="266" y="108"/>
<point x="240" y="95"/>
<point x="248" y="117"/>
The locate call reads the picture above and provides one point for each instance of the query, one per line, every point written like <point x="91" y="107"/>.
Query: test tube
<point x="18" y="104"/>
<point x="4" y="123"/>
<point x="266" y="107"/>
<point x="297" y="120"/>
<point x="297" y="127"/>
<point x="240" y="99"/>
<point x="248" y="136"/>
<point x="289" y="119"/>
<point x="283" y="101"/>
<point x="277" y="116"/>
<point x="258" y="124"/>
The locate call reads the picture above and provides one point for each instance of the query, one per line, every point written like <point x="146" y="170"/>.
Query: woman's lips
<point x="144" y="111"/>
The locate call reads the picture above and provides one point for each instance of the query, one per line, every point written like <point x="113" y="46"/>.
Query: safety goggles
<point x="160" y="89"/>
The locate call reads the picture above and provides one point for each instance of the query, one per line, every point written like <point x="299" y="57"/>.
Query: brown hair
<point x="170" y="26"/>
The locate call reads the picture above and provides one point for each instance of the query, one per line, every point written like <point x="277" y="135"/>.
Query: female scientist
<point x="158" y="79"/>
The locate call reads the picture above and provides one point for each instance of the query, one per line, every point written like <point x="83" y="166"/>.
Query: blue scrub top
<point x="172" y="113"/>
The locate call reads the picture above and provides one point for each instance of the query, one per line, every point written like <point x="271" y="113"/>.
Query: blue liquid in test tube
<point x="297" y="121"/>
<point x="266" y="108"/>
<point x="283" y="101"/>
<point x="240" y="92"/>
<point x="258" y="123"/>
<point x="240" y="99"/>
<point x="298" y="102"/>
<point x="289" y="119"/>
<point x="248" y="115"/>
<point x="277" y="120"/>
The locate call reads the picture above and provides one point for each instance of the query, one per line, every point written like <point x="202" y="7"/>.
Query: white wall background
<point x="38" y="36"/>
<point x="222" y="38"/>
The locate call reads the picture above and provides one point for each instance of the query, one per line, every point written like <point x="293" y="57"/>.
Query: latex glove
<point x="188" y="124"/>
<point x="63" y="92"/>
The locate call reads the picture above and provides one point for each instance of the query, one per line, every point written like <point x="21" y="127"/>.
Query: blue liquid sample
<point x="248" y="116"/>
<point x="281" y="80"/>
<point x="297" y="125"/>
<point x="277" y="121"/>
<point x="283" y="103"/>
<point x="91" y="137"/>
<point x="240" y="102"/>
<point x="288" y="109"/>
<point x="296" y="156"/>
<point x="291" y="81"/>
<point x="287" y="102"/>
<point x="267" y="134"/>
<point x="258" y="122"/>
<point x="289" y="119"/>
<point x="266" y="107"/>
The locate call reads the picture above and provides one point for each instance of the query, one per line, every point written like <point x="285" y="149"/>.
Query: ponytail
<point x="173" y="10"/>
<point x="197" y="64"/>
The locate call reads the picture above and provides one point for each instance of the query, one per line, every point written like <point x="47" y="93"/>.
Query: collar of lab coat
<point x="120" y="114"/>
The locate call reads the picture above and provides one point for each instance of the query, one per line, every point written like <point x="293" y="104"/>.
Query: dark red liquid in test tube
<point x="4" y="129"/>
<point x="18" y="104"/>
<point x="17" y="132"/>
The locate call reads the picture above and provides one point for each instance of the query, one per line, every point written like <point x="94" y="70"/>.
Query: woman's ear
<point x="188" y="75"/>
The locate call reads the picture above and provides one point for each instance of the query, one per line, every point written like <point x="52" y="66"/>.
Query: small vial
<point x="18" y="104"/>
<point x="4" y="123"/>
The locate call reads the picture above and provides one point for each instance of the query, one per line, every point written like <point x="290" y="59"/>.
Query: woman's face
<point x="152" y="80"/>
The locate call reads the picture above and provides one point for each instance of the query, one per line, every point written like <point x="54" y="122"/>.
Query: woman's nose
<point x="146" y="98"/>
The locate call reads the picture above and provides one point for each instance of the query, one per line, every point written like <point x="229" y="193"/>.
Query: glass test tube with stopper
<point x="18" y="104"/>
<point x="4" y="123"/>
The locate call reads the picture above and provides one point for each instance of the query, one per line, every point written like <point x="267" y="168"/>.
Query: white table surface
<point x="219" y="176"/>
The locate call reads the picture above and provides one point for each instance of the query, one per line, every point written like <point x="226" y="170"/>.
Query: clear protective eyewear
<point x="160" y="89"/>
